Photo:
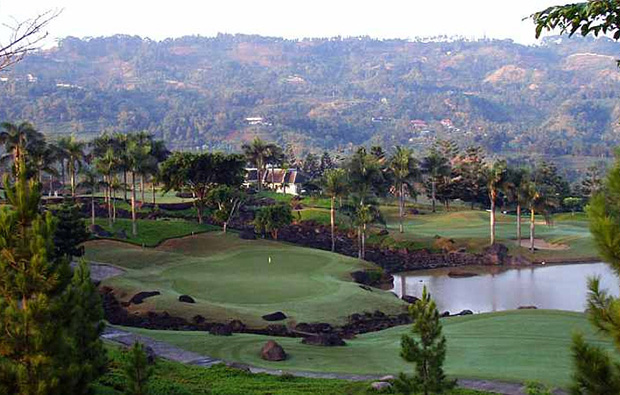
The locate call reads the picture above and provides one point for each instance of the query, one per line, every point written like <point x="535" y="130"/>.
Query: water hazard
<point x="559" y="287"/>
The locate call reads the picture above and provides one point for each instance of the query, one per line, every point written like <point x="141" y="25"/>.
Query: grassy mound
<point x="512" y="346"/>
<point x="232" y="278"/>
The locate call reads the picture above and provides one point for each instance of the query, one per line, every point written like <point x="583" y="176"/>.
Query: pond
<point x="558" y="287"/>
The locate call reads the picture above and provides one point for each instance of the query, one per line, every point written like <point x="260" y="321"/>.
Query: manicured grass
<point x="179" y="379"/>
<point x="514" y="346"/>
<point x="153" y="232"/>
<point x="232" y="278"/>
<point x="471" y="228"/>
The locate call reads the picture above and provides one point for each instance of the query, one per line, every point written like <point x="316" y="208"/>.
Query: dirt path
<point x="173" y="353"/>
<point x="541" y="244"/>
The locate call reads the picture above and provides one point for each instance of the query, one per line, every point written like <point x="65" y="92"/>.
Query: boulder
<point x="121" y="234"/>
<point x="380" y="385"/>
<point x="410" y="299"/>
<point x="387" y="378"/>
<point x="239" y="366"/>
<point x="277" y="316"/>
<point x="98" y="230"/>
<point x="140" y="296"/>
<point x="497" y="254"/>
<point x="383" y="232"/>
<point x="237" y="326"/>
<point x="221" y="330"/>
<point x="444" y="314"/>
<point x="466" y="312"/>
<point x="247" y="234"/>
<point x="186" y="299"/>
<point x="325" y="340"/>
<point x="272" y="351"/>
<point x="527" y="308"/>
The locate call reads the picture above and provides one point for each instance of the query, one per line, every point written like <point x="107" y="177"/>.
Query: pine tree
<point x="597" y="372"/>
<point x="70" y="231"/>
<point x="137" y="370"/>
<point x="31" y="340"/>
<point x="428" y="353"/>
<point x="84" y="327"/>
<point x="42" y="346"/>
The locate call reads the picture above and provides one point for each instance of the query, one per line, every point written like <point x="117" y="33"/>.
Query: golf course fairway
<point x="524" y="345"/>
<point x="230" y="279"/>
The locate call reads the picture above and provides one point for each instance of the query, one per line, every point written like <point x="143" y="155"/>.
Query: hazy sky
<point x="287" y="18"/>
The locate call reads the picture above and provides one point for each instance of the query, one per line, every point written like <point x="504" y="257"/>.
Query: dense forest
<point x="558" y="98"/>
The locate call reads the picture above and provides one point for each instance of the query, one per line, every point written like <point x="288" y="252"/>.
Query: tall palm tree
<point x="260" y="153"/>
<point x="136" y="154"/>
<point x="496" y="176"/>
<point x="516" y="189"/>
<point x="75" y="158"/>
<point x="160" y="153"/>
<point x="107" y="165"/>
<point x="17" y="139"/>
<point x="335" y="186"/>
<point x="120" y="141"/>
<point x="90" y="180"/>
<point x="435" y="166"/>
<point x="542" y="198"/>
<point x="403" y="168"/>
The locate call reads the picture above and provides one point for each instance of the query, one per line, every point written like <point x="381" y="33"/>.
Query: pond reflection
<point x="560" y="287"/>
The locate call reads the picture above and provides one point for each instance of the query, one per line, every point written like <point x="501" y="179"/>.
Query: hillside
<point x="555" y="99"/>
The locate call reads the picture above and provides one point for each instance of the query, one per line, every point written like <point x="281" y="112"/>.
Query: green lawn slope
<point x="514" y="346"/>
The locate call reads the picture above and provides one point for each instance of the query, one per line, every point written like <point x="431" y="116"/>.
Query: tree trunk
<point x="92" y="207"/>
<point x="364" y="241"/>
<point x="113" y="205"/>
<point x="532" y="228"/>
<point x="359" y="242"/>
<point x="134" y="224"/>
<point x="519" y="225"/>
<point x="109" y="197"/>
<point x="433" y="187"/>
<point x="401" y="207"/>
<point x="153" y="191"/>
<point x="492" y="220"/>
<point x="125" y="183"/>
<point x="73" y="181"/>
<point x="62" y="174"/>
<point x="225" y="226"/>
<point x="142" y="189"/>
<point x="258" y="178"/>
<point x="199" y="211"/>
<point x="332" y="218"/>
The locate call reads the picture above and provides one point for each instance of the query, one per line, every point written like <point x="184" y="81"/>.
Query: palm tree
<point x="516" y="189"/>
<point x="17" y="139"/>
<point x="90" y="180"/>
<point x="119" y="142"/>
<point x="496" y="176"/>
<point x="435" y="166"/>
<point x="541" y="198"/>
<point x="107" y="165"/>
<point x="114" y="186"/>
<point x="160" y="153"/>
<point x="75" y="158"/>
<point x="259" y="153"/>
<point x="403" y="168"/>
<point x="335" y="186"/>
<point x="136" y="154"/>
<point x="366" y="180"/>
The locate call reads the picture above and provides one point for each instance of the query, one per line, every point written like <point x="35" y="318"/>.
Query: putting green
<point x="231" y="279"/>
<point x="296" y="276"/>
<point x="514" y="346"/>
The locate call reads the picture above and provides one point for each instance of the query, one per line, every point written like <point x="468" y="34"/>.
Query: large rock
<point x="272" y="351"/>
<point x="466" y="312"/>
<point x="277" y="316"/>
<point x="325" y="340"/>
<point x="186" y="299"/>
<point x="221" y="330"/>
<point x="497" y="254"/>
<point x="98" y="230"/>
<point x="121" y="234"/>
<point x="410" y="299"/>
<point x="140" y="296"/>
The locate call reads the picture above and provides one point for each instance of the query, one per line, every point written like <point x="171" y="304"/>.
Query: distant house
<point x="279" y="180"/>
<point x="419" y="124"/>
<point x="257" y="121"/>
